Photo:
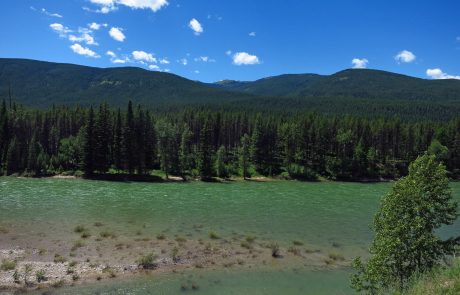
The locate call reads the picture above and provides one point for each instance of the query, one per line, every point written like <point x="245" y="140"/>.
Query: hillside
<point x="351" y="83"/>
<point x="41" y="84"/>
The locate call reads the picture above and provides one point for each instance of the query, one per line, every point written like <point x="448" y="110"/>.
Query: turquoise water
<point x="324" y="215"/>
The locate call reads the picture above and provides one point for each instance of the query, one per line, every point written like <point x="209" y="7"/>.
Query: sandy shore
<point x="37" y="263"/>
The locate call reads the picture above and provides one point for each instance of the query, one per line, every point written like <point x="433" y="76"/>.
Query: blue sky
<point x="211" y="40"/>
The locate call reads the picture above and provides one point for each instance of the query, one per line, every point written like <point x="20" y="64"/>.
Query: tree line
<point x="206" y="143"/>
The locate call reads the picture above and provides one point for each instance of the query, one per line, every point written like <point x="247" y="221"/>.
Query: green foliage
<point x="8" y="265"/>
<point x="405" y="225"/>
<point x="147" y="261"/>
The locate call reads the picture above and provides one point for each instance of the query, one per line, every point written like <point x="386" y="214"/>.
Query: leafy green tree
<point x="185" y="151"/>
<point x="405" y="226"/>
<point x="221" y="169"/>
<point x="440" y="151"/>
<point x="245" y="155"/>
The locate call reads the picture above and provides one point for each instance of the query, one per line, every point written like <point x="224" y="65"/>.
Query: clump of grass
<point x="297" y="243"/>
<point x="41" y="276"/>
<point x="250" y="239"/>
<point x="75" y="277"/>
<point x="73" y="263"/>
<point x="79" y="229"/>
<point x="41" y="251"/>
<point x="3" y="230"/>
<point x="294" y="250"/>
<point x="8" y="265"/>
<point x="213" y="235"/>
<point x="246" y="245"/>
<point x="107" y="234"/>
<point x="181" y="240"/>
<point x="138" y="233"/>
<point x="175" y="254"/>
<point x="16" y="277"/>
<point x="58" y="284"/>
<point x="77" y="244"/>
<point x="59" y="258"/>
<point x="275" y="249"/>
<point x="110" y="271"/>
<point x="336" y="256"/>
<point x="86" y="234"/>
<point x="336" y="245"/>
<point x="98" y="224"/>
<point x="147" y="261"/>
<point x="161" y="237"/>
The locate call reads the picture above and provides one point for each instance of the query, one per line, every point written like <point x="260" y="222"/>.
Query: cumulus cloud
<point x="183" y="61"/>
<point x="359" y="63"/>
<point x="244" y="58"/>
<point x="204" y="59"/>
<point x="154" y="67"/>
<point x="84" y="37"/>
<point x="60" y="29"/>
<point x="78" y="49"/>
<point x="107" y="6"/>
<point x="228" y="52"/>
<point x="252" y="34"/>
<point x="196" y="27"/>
<point x="439" y="74"/>
<point x="96" y="26"/>
<point x="405" y="56"/>
<point x="117" y="34"/>
<point x="143" y="56"/>
<point x="164" y="61"/>
<point x="115" y="59"/>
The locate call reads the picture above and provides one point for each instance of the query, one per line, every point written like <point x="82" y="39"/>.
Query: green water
<point x="324" y="215"/>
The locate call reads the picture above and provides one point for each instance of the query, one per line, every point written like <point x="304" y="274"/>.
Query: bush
<point x="147" y="261"/>
<point x="40" y="275"/>
<point x="8" y="264"/>
<point x="214" y="235"/>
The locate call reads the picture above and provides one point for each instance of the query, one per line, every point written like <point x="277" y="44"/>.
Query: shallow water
<point x="325" y="215"/>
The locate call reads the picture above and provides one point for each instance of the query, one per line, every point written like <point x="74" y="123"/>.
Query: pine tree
<point x="102" y="131"/>
<point x="221" y="169"/>
<point x="205" y="152"/>
<point x="89" y="144"/>
<point x="185" y="152"/>
<point x="244" y="156"/>
<point x="13" y="158"/>
<point x="129" y="140"/>
<point x="118" y="142"/>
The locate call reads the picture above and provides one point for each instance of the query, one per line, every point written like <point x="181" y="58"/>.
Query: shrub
<point x="40" y="275"/>
<point x="79" y="229"/>
<point x="59" y="259"/>
<point x="8" y="264"/>
<point x="214" y="235"/>
<point x="147" y="261"/>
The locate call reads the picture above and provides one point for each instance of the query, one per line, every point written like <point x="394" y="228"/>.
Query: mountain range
<point x="41" y="84"/>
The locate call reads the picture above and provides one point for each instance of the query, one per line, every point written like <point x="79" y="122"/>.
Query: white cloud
<point x="252" y="34"/>
<point x="85" y="37"/>
<point x="154" y="67"/>
<point x="244" y="58"/>
<point x="439" y="74"/>
<point x="204" y="59"/>
<point x="117" y="34"/>
<point x="111" y="5"/>
<point x="405" y="56"/>
<point x="228" y="52"/>
<point x="196" y="72"/>
<point x="196" y="27"/>
<point x="111" y="53"/>
<point x="46" y="12"/>
<point x="96" y="26"/>
<point x="60" y="29"/>
<point x="164" y="61"/>
<point x="78" y="49"/>
<point x="183" y="61"/>
<point x="143" y="56"/>
<point x="359" y="63"/>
